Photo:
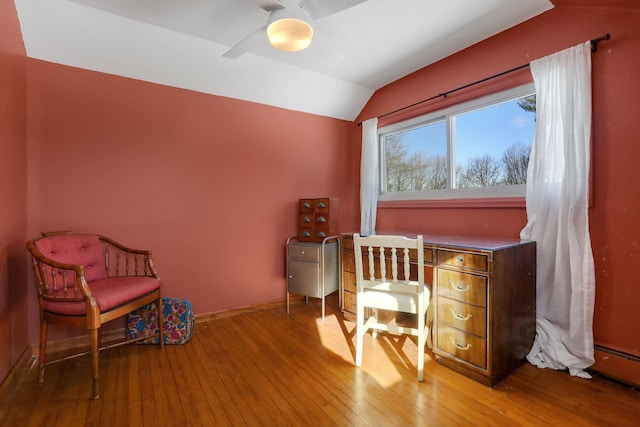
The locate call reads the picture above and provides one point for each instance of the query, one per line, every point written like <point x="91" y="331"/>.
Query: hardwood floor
<point x="267" y="368"/>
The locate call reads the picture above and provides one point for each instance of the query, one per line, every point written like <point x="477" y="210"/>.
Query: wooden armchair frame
<point x="65" y="293"/>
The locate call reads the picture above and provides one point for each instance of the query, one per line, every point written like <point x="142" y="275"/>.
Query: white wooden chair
<point x="386" y="284"/>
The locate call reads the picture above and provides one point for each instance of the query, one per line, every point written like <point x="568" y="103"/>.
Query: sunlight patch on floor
<point x="333" y="340"/>
<point x="376" y="364"/>
<point x="381" y="369"/>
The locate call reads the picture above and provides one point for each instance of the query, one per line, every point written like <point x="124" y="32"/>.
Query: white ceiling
<point x="180" y="43"/>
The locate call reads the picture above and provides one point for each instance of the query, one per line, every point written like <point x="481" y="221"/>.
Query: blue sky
<point x="490" y="130"/>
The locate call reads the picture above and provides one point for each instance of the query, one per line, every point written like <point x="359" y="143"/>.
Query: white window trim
<point x="448" y="114"/>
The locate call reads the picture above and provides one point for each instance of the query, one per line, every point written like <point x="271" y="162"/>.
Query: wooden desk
<point x="483" y="300"/>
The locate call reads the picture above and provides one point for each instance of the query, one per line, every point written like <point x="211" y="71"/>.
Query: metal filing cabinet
<point x="312" y="268"/>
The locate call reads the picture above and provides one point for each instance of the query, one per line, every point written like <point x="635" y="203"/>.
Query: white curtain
<point x="557" y="211"/>
<point x="369" y="177"/>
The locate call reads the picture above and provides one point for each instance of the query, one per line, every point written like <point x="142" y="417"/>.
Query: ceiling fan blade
<point x="321" y="8"/>
<point x="268" y="5"/>
<point x="246" y="44"/>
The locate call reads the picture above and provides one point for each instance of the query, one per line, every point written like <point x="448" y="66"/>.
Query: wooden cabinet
<point x="482" y="299"/>
<point x="317" y="219"/>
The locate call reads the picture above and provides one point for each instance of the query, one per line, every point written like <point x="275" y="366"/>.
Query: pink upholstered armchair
<point x="87" y="280"/>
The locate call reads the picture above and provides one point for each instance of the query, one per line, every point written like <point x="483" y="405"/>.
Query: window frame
<point x="448" y="115"/>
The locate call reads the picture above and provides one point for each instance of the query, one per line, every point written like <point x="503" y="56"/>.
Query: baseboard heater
<point x="617" y="365"/>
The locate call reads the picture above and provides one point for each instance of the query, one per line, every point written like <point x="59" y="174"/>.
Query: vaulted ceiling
<point x="181" y="43"/>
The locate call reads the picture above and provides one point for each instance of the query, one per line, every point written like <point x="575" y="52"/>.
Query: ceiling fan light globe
<point x="290" y="34"/>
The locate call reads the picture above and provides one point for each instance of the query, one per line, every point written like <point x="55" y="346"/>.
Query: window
<point x="476" y="149"/>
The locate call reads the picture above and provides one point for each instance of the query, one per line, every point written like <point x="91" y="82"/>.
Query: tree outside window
<point x="489" y="146"/>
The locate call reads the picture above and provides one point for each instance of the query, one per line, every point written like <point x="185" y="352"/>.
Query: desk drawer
<point x="317" y="206"/>
<point x="349" y="262"/>
<point x="469" y="318"/>
<point x="303" y="252"/>
<point x="313" y="220"/>
<point x="349" y="282"/>
<point x="306" y="233"/>
<point x="463" y="259"/>
<point x="462" y="345"/>
<point x="347" y="242"/>
<point x="350" y="300"/>
<point x="322" y="231"/>
<point x="463" y="287"/>
<point x="306" y="220"/>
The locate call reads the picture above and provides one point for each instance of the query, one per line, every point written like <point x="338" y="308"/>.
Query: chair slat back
<point x="388" y="259"/>
<point x="124" y="261"/>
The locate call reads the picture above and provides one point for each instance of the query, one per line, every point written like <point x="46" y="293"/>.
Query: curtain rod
<point x="594" y="48"/>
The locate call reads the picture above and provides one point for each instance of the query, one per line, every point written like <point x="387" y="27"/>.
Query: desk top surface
<point x="486" y="243"/>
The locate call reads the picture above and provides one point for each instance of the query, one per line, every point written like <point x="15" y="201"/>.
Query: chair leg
<point x="360" y="330"/>
<point x="422" y="339"/>
<point x="94" y="335"/>
<point x="374" y="332"/>
<point x="160" y="324"/>
<point x="44" y="326"/>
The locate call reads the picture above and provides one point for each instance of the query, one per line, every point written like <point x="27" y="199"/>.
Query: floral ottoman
<point x="177" y="325"/>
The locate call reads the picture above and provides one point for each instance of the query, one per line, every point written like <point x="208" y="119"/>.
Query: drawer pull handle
<point x="306" y="205"/>
<point x="460" y="346"/>
<point x="459" y="316"/>
<point x="322" y="205"/>
<point x="463" y="288"/>
<point x="306" y="219"/>
<point x="460" y="259"/>
<point x="321" y="219"/>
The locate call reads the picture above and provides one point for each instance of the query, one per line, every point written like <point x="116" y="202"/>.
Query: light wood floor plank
<point x="143" y="374"/>
<point x="214" y="383"/>
<point x="266" y="368"/>
<point x="207" y="386"/>
<point x="168" y="404"/>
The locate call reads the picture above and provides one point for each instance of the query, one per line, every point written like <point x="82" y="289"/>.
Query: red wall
<point x="615" y="229"/>
<point x="13" y="182"/>
<point x="209" y="184"/>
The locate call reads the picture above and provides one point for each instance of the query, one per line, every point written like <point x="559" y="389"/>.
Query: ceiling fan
<point x="289" y="26"/>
